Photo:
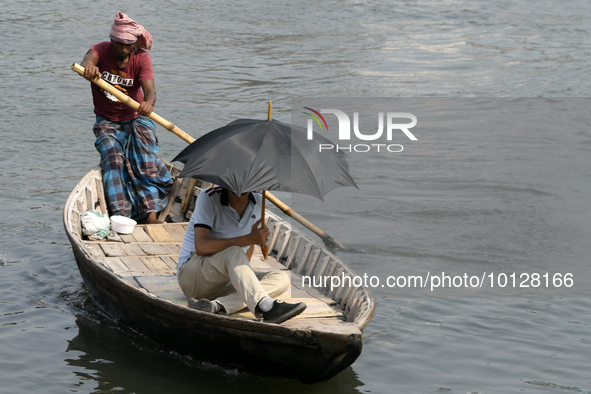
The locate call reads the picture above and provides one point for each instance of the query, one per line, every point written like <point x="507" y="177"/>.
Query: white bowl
<point x="122" y="224"/>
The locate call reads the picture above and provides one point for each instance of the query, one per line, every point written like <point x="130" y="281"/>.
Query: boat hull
<point x="310" y="354"/>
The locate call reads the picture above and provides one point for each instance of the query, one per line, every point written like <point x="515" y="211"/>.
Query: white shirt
<point x="213" y="212"/>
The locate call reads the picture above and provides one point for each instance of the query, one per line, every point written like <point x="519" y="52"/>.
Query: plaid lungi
<point x="135" y="180"/>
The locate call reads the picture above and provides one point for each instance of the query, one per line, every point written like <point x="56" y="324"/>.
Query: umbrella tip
<point x="270" y="107"/>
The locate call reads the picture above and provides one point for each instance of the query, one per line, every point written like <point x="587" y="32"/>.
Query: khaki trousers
<point x="228" y="278"/>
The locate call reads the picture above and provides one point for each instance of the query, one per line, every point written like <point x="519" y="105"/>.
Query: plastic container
<point x="122" y="224"/>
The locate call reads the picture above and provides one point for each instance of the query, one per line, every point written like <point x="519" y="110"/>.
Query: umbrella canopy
<point x="248" y="155"/>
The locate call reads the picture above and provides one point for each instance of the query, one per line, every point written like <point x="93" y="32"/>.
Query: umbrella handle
<point x="264" y="247"/>
<point x="125" y="99"/>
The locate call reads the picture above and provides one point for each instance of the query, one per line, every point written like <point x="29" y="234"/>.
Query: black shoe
<point x="282" y="311"/>
<point x="204" y="305"/>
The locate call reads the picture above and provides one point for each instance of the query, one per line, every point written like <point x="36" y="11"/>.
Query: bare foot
<point x="152" y="218"/>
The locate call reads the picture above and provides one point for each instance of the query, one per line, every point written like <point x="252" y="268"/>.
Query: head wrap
<point x="126" y="31"/>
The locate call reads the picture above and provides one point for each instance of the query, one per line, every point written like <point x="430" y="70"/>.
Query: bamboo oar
<point x="125" y="99"/>
<point x="327" y="239"/>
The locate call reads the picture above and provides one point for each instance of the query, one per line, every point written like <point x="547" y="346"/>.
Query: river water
<point x="497" y="182"/>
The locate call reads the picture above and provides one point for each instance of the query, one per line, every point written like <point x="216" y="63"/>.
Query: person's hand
<point x="259" y="236"/>
<point x="91" y="72"/>
<point x="145" y="109"/>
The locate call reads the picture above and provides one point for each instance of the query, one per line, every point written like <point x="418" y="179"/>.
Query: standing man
<point x="135" y="180"/>
<point x="214" y="269"/>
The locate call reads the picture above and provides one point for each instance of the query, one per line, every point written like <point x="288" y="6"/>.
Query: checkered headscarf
<point x="126" y="31"/>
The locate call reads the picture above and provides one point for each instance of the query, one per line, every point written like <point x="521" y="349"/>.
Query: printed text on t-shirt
<point x="116" y="79"/>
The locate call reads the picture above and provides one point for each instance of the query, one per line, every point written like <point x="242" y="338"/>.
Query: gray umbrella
<point x="248" y="155"/>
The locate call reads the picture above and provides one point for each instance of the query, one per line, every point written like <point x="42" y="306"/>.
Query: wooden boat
<point x="312" y="347"/>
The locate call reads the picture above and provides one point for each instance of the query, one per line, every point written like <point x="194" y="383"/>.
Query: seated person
<point x="214" y="269"/>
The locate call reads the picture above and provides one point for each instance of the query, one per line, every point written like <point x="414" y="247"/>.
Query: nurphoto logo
<point x="344" y="131"/>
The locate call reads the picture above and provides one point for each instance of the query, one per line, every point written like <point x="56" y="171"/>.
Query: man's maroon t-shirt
<point x="127" y="79"/>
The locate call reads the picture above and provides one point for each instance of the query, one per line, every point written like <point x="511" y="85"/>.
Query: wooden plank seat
<point x="148" y="257"/>
<point x="149" y="250"/>
<point x="162" y="233"/>
<point x="166" y="287"/>
<point x="154" y="250"/>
